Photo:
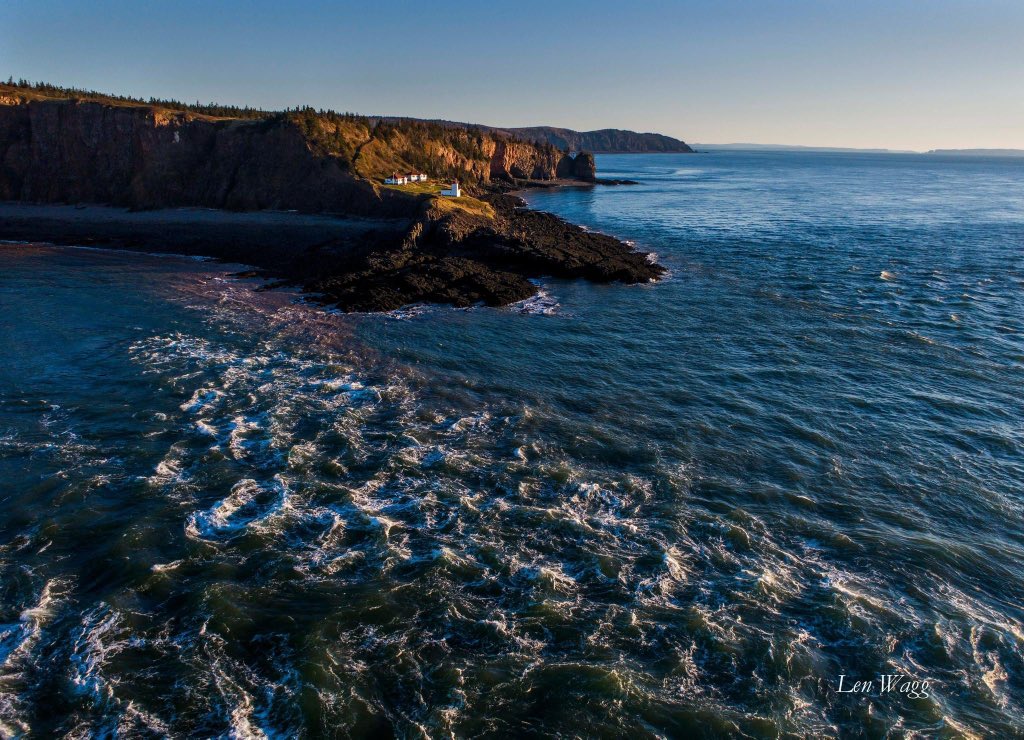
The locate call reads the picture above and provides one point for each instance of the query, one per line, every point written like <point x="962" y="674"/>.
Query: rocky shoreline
<point x="358" y="264"/>
<point x="302" y="195"/>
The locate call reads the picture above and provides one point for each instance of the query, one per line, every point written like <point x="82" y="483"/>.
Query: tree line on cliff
<point x="370" y="146"/>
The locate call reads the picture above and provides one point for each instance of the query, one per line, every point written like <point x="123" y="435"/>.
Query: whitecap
<point x="249" y="502"/>
<point x="541" y="304"/>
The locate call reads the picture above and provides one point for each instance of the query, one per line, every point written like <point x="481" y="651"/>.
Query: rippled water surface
<point x="668" y="510"/>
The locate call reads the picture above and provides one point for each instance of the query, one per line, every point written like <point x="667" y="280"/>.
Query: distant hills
<point x="979" y="152"/>
<point x="839" y="149"/>
<point x="606" y="140"/>
<point x="794" y="148"/>
<point x="602" y="141"/>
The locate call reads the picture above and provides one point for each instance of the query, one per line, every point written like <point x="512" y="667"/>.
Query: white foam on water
<point x="342" y="479"/>
<point x="249" y="503"/>
<point x="18" y="644"/>
<point x="203" y="427"/>
<point x="202" y="399"/>
<point x="408" y="312"/>
<point x="166" y="567"/>
<point x="541" y="304"/>
<point x="170" y="471"/>
<point x="101" y="637"/>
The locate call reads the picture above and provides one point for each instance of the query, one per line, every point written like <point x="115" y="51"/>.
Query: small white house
<point x="416" y="177"/>
<point x="454" y="191"/>
<point x="396" y="179"/>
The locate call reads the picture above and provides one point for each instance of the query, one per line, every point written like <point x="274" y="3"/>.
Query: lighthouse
<point x="454" y="191"/>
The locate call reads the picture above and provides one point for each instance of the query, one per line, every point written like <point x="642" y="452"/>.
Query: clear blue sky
<point x="910" y="74"/>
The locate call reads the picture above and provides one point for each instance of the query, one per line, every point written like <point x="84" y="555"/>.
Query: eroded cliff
<point x="409" y="246"/>
<point x="143" y="156"/>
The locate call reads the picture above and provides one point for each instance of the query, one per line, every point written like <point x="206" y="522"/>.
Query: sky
<point x="900" y="74"/>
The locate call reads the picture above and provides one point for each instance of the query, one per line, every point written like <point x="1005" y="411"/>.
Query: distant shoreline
<point x="703" y="148"/>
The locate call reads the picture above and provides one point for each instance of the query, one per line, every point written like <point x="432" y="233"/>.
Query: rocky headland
<point x="609" y="140"/>
<point x="300" y="195"/>
<point x="603" y="141"/>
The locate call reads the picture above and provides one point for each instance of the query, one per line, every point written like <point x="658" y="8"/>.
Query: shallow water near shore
<point x="662" y="510"/>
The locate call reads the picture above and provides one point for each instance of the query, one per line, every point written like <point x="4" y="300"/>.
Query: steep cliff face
<point x="443" y="152"/>
<point x="142" y="157"/>
<point x="442" y="155"/>
<point x="517" y="160"/>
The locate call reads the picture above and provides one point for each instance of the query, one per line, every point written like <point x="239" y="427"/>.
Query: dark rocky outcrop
<point x="584" y="167"/>
<point x="458" y="259"/>
<point x="579" y="167"/>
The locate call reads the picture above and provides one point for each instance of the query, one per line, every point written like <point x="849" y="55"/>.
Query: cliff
<point x="60" y="148"/>
<point x="145" y="156"/>
<point x="467" y="154"/>
<point x="518" y="160"/>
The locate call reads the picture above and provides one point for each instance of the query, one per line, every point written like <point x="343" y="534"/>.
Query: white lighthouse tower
<point x="454" y="191"/>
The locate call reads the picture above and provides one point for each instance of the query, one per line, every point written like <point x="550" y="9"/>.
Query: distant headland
<point x="601" y="141"/>
<point x="978" y="152"/>
<point x="852" y="150"/>
<point x="368" y="213"/>
<point x="797" y="148"/>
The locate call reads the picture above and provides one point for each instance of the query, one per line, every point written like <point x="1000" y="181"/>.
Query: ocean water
<point x="671" y="510"/>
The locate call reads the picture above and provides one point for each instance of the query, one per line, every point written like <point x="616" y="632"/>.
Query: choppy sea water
<point x="668" y="510"/>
